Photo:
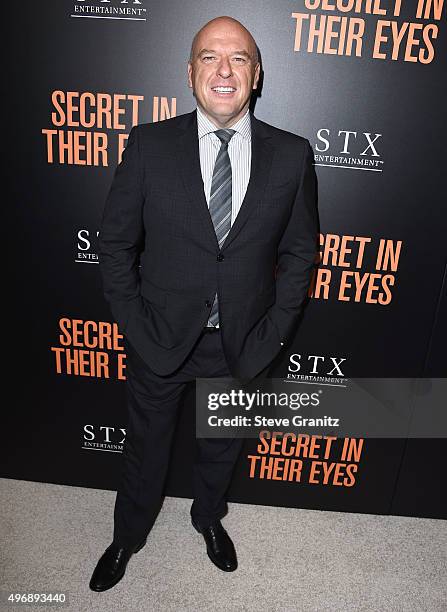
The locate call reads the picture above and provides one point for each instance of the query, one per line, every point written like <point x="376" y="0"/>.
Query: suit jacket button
<point x="220" y="257"/>
<point x="282" y="343"/>
<point x="208" y="304"/>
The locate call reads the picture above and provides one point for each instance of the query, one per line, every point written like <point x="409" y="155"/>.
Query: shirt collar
<point x="205" y="126"/>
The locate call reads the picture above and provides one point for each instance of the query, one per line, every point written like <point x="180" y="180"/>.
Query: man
<point x="219" y="209"/>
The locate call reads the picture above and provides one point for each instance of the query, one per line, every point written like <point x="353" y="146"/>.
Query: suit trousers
<point x="153" y="403"/>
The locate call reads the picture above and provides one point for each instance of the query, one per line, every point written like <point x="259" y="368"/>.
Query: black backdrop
<point x="376" y="125"/>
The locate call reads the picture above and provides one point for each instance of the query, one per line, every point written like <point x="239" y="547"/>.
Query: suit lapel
<point x="188" y="158"/>
<point x="261" y="161"/>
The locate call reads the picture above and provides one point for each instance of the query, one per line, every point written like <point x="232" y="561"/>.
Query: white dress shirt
<point x="239" y="151"/>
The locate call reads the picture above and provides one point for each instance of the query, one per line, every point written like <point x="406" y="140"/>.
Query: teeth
<point x="223" y="89"/>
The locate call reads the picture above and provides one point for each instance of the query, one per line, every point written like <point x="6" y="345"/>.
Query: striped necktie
<point x="220" y="202"/>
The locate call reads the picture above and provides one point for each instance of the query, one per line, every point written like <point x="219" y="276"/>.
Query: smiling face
<point x="223" y="70"/>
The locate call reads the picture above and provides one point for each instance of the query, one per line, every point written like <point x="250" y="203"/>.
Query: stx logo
<point x="104" y="438"/>
<point x="316" y="365"/>
<point x="345" y="139"/>
<point x="105" y="433"/>
<point x="86" y="252"/>
<point x="348" y="149"/>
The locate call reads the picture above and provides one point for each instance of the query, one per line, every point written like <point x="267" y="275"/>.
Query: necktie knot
<point x="225" y="136"/>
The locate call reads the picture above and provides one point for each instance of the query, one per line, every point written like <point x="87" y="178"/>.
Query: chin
<point x="226" y="105"/>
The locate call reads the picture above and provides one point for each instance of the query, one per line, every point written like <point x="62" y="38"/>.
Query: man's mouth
<point x="223" y="90"/>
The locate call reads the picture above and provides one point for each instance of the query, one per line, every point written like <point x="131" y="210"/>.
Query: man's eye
<point x="208" y="57"/>
<point x="240" y="60"/>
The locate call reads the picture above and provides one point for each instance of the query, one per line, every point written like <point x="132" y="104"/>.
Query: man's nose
<point x="224" y="68"/>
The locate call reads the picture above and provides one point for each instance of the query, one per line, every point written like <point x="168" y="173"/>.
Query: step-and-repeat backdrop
<point x="364" y="81"/>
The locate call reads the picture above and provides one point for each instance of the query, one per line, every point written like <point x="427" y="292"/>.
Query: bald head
<point x="228" y="25"/>
<point x="223" y="70"/>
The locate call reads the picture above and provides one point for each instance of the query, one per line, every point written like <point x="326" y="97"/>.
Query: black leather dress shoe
<point x="219" y="546"/>
<point x="111" y="566"/>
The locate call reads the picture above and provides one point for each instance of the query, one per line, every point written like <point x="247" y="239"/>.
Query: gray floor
<point x="51" y="537"/>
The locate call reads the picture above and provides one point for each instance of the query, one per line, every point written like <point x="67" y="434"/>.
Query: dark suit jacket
<point x="156" y="215"/>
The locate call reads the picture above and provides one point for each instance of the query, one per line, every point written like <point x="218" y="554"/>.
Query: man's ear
<point x="189" y="74"/>
<point x="257" y="72"/>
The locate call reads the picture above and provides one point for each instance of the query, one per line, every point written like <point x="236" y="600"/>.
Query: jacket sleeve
<point x="297" y="251"/>
<point x="121" y="236"/>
